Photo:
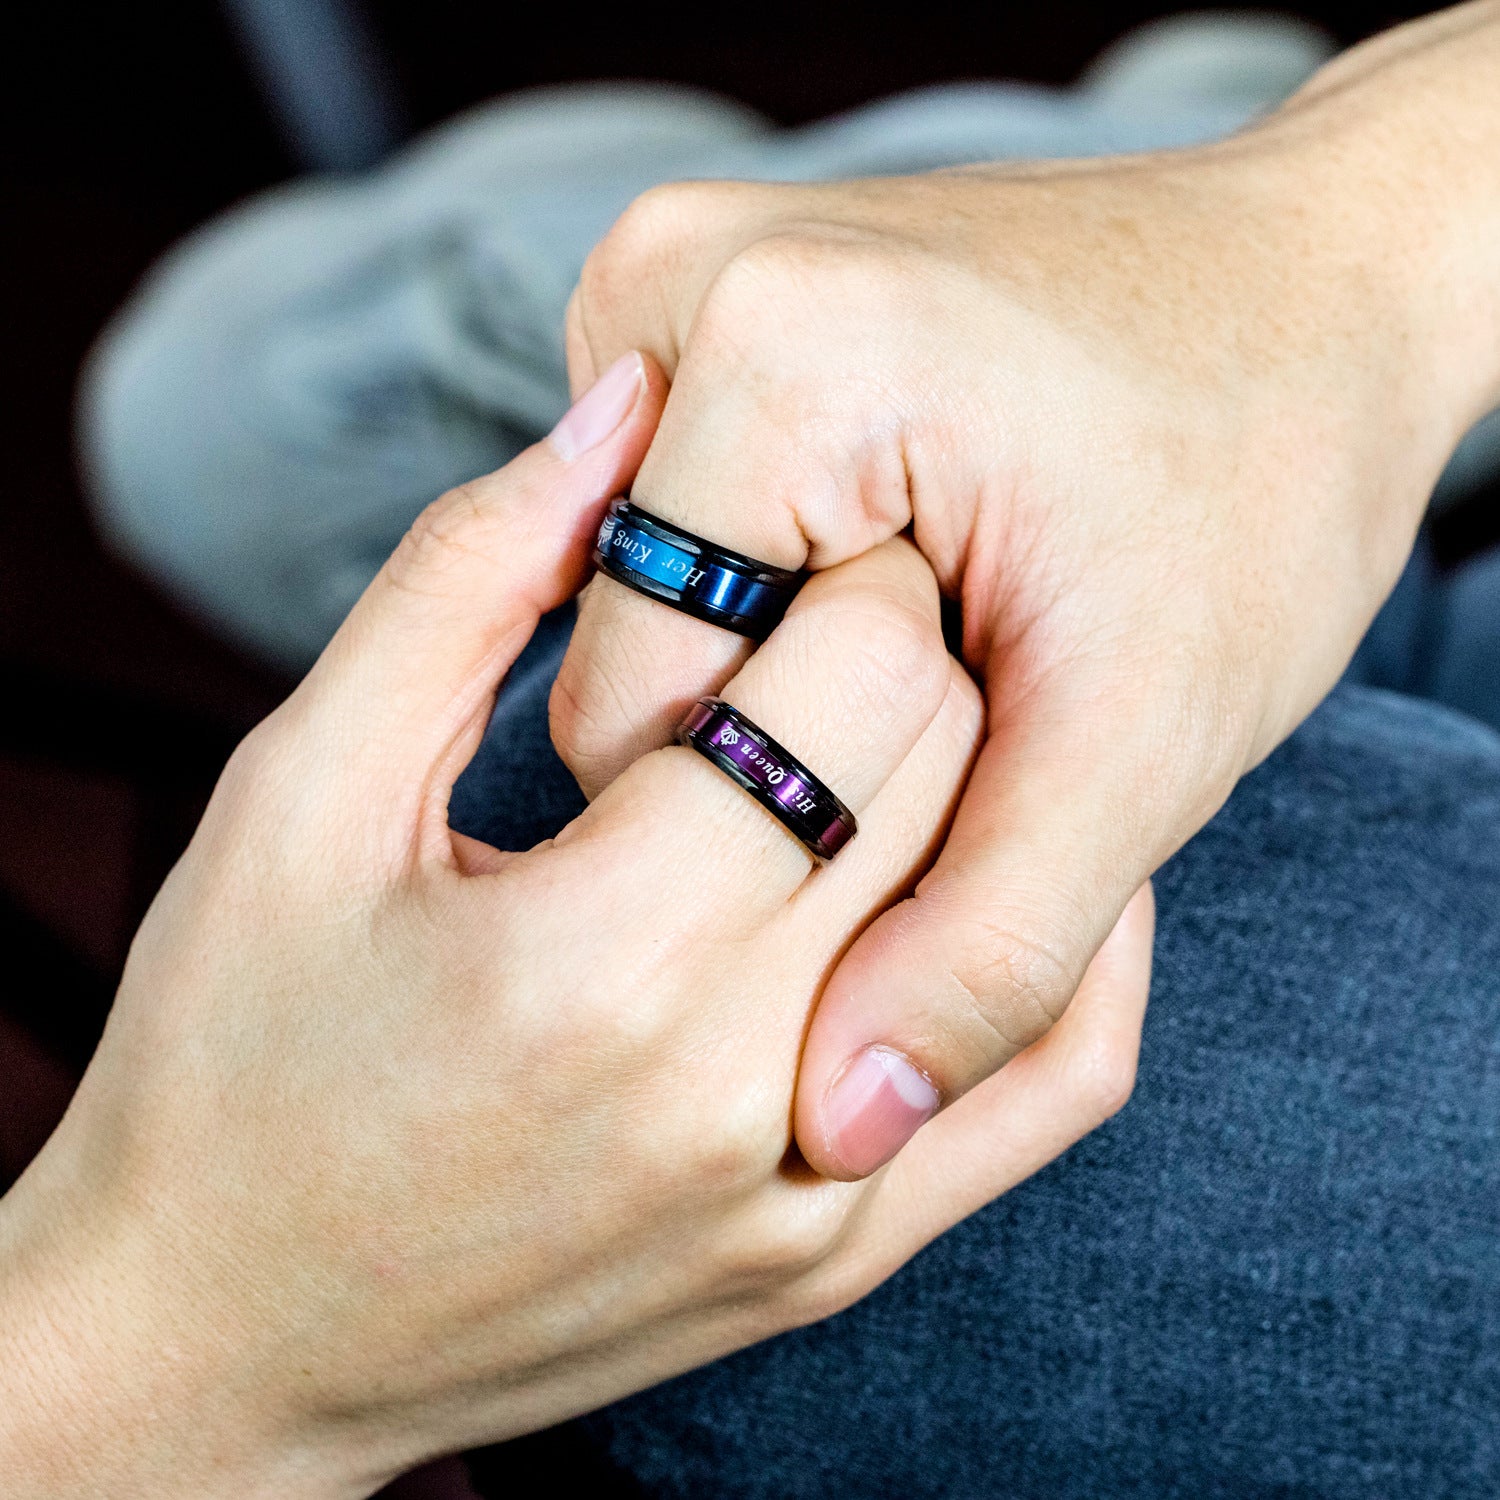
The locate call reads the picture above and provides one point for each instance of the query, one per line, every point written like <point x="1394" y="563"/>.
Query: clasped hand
<point x="396" y="1143"/>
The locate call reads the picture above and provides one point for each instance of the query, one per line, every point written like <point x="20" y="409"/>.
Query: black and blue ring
<point x="696" y="576"/>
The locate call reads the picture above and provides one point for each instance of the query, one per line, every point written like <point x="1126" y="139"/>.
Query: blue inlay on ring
<point x="646" y="555"/>
<point x="735" y="594"/>
<point x="710" y="582"/>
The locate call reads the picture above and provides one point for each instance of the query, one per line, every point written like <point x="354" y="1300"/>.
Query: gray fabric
<point x="324" y="77"/>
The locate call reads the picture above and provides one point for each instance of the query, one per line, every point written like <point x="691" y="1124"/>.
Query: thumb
<point x="949" y="985"/>
<point x="417" y="660"/>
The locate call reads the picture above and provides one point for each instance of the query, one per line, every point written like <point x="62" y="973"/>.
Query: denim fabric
<point x="1276" y="1273"/>
<point x="1438" y="636"/>
<point x="516" y="792"/>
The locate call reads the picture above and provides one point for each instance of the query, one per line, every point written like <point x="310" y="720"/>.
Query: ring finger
<point x="848" y="682"/>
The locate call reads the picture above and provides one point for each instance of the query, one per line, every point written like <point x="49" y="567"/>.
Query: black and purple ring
<point x="776" y="779"/>
<point x="698" y="577"/>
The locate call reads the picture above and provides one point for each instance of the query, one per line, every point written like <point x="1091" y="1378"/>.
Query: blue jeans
<point x="1276" y="1273"/>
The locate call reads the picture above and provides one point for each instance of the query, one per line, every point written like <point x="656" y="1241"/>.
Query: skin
<point x="396" y="1144"/>
<point x="1164" y="425"/>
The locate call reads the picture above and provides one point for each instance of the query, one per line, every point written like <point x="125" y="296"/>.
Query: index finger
<point x="748" y="464"/>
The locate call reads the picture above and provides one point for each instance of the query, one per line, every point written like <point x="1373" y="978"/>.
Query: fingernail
<point x="876" y="1105"/>
<point x="600" y="409"/>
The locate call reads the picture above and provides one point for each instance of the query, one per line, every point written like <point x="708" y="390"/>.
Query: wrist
<point x="110" y="1382"/>
<point x="1393" y="152"/>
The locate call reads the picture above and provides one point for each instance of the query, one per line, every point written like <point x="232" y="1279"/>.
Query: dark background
<point x="128" y="125"/>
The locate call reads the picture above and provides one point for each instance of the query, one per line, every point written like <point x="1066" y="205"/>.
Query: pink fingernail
<point x="600" y="409"/>
<point x="875" y="1107"/>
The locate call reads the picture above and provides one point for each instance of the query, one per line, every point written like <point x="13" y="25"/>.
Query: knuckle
<point x="651" y="222"/>
<point x="270" y="818"/>
<point x="656" y="228"/>
<point x="727" y="1157"/>
<point x="633" y="1025"/>
<point x="445" y="534"/>
<point x="256" y="760"/>
<point x="265" y="779"/>
<point x="796" y="1245"/>
<point x="752" y="276"/>
<point x="792" y="261"/>
<point x="890" y="649"/>
<point x="1012" y="990"/>
<point x="819" y="269"/>
<point x="1101" y="1074"/>
<point x="592" y="716"/>
<point x="622" y="1026"/>
<point x="963" y="706"/>
<point x="779" y="280"/>
<point x="787" y="1243"/>
<point x="686" y="1147"/>
<point x="571" y="719"/>
<point x="830" y="1288"/>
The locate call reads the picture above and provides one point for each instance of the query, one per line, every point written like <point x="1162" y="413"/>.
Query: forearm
<point x="1400" y="140"/>
<point x="109" y="1384"/>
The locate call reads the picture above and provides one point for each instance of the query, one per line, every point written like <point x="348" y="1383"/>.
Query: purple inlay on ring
<point x="835" y="836"/>
<point x="719" y="726"/>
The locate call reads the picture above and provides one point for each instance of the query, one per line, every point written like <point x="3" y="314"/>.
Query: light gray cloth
<point x="290" y="386"/>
